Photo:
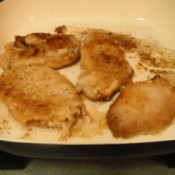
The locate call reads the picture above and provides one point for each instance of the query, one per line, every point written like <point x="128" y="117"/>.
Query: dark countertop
<point x="132" y="166"/>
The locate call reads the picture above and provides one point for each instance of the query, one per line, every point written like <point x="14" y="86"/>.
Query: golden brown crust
<point x="52" y="50"/>
<point x="142" y="108"/>
<point x="104" y="68"/>
<point x="42" y="97"/>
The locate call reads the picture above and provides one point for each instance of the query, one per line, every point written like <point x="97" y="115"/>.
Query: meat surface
<point x="43" y="97"/>
<point x="103" y="66"/>
<point x="142" y="108"/>
<point x="52" y="50"/>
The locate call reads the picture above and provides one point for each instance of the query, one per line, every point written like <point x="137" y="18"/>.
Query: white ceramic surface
<point x="143" y="18"/>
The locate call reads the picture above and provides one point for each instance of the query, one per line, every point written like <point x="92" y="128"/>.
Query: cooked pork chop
<point x="104" y="68"/>
<point x="43" y="97"/>
<point x="52" y="50"/>
<point x="142" y="108"/>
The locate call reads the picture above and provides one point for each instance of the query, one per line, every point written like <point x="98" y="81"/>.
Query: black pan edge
<point x="54" y="151"/>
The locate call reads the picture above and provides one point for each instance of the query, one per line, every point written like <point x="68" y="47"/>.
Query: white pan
<point x="142" y="18"/>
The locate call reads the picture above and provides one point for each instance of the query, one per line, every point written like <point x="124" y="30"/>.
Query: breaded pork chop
<point x="52" y="50"/>
<point x="41" y="96"/>
<point x="103" y="66"/>
<point x="142" y="108"/>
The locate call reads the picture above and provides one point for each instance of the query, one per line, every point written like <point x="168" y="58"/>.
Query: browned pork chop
<point x="43" y="97"/>
<point x="52" y="50"/>
<point x="142" y="108"/>
<point x="103" y="66"/>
